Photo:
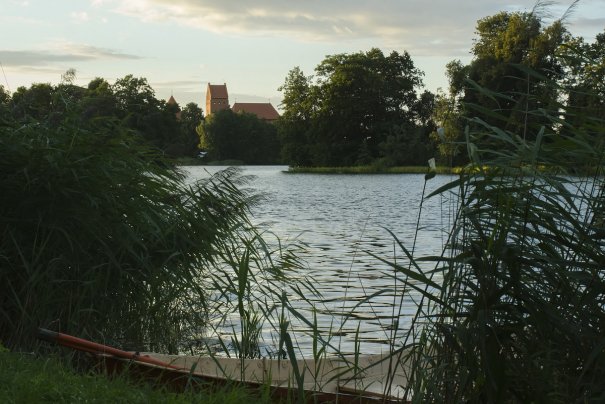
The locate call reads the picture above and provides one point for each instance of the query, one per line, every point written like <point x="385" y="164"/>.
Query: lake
<point x="339" y="219"/>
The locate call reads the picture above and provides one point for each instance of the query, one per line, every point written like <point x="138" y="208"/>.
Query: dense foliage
<point x="130" y="100"/>
<point x="508" y="84"/>
<point x="515" y="309"/>
<point x="584" y="66"/>
<point x="362" y="108"/>
<point x="226" y="135"/>
<point x="100" y="236"/>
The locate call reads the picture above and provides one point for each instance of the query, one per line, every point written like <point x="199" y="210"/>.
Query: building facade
<point x="217" y="98"/>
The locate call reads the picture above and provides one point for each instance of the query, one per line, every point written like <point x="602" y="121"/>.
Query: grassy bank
<point x="370" y="170"/>
<point x="27" y="379"/>
<point x="194" y="161"/>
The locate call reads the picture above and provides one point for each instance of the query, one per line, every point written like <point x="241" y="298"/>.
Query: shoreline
<point x="371" y="170"/>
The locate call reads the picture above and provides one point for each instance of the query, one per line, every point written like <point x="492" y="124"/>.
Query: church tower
<point x="217" y="98"/>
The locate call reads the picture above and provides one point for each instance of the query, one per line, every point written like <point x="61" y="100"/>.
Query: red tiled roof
<point x="263" y="110"/>
<point x="218" y="91"/>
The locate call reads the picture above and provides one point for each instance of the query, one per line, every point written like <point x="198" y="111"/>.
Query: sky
<point x="180" y="46"/>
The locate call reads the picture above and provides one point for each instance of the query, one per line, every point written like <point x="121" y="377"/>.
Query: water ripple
<point x="340" y="218"/>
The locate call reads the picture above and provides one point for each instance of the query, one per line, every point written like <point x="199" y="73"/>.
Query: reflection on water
<point x="340" y="218"/>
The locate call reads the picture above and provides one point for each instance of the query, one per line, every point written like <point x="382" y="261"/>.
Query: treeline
<point x="365" y="108"/>
<point x="130" y="100"/>
<point x="368" y="108"/>
<point x="361" y="108"/>
<point x="242" y="137"/>
<point x="522" y="74"/>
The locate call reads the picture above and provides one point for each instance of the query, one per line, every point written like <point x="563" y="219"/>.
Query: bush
<point x="101" y="238"/>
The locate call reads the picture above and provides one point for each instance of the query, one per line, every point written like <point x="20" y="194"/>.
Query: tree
<point x="226" y="135"/>
<point x="295" y="122"/>
<point x="423" y="109"/>
<point x="342" y="117"/>
<point x="130" y="100"/>
<point x="187" y="142"/>
<point x="297" y="102"/>
<point x="585" y="80"/>
<point x="448" y="113"/>
<point x="448" y="135"/>
<point x="99" y="100"/>
<point x="137" y="105"/>
<point x="4" y="96"/>
<point x="457" y="74"/>
<point x="514" y="56"/>
<point x="361" y="95"/>
<point x="404" y="145"/>
<point x="407" y="143"/>
<point x="160" y="128"/>
<point x="5" y="99"/>
<point x="35" y="102"/>
<point x="134" y="96"/>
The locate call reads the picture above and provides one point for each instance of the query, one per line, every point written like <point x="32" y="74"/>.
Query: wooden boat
<point x="346" y="379"/>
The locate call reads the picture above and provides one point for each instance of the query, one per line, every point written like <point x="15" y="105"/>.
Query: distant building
<point x="217" y="98"/>
<point x="264" y="110"/>
<point x="172" y="101"/>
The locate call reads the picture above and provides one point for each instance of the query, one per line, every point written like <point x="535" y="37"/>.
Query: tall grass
<point x="247" y="288"/>
<point x="515" y="310"/>
<point x="101" y="237"/>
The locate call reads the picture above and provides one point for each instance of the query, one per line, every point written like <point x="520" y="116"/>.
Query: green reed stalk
<point x="519" y="315"/>
<point x="104" y="239"/>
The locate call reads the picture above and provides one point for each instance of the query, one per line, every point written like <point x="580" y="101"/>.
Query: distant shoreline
<point x="370" y="170"/>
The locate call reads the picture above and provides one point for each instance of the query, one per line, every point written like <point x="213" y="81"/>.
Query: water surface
<point x="340" y="218"/>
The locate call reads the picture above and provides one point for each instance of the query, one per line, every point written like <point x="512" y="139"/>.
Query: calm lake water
<point x="340" y="218"/>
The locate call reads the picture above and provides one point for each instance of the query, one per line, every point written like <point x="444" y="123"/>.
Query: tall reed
<point x="515" y="310"/>
<point x="102" y="237"/>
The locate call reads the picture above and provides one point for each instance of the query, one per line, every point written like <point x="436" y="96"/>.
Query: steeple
<point x="217" y="98"/>
<point x="172" y="101"/>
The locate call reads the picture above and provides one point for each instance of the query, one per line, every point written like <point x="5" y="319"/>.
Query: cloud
<point x="35" y="58"/>
<point x="63" y="53"/>
<point x="37" y="71"/>
<point x="94" y="52"/>
<point x="79" y="16"/>
<point x="586" y="23"/>
<point x="179" y="84"/>
<point x="445" y="28"/>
